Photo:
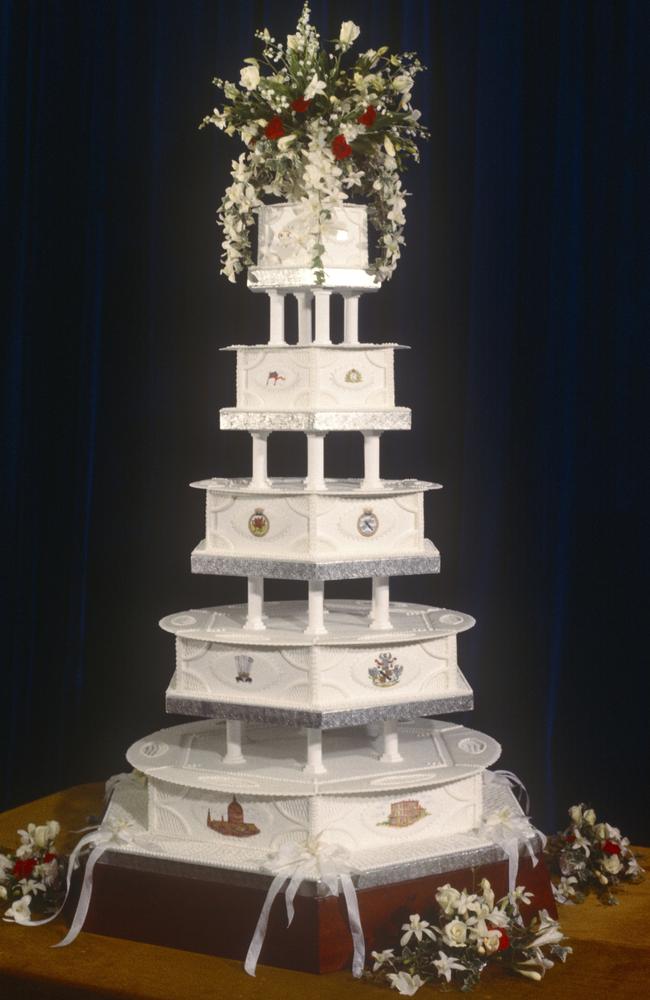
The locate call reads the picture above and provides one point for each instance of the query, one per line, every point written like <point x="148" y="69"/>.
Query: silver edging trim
<point x="284" y="569"/>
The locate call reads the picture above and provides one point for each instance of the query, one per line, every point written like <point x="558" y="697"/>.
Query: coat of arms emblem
<point x="353" y="376"/>
<point x="386" y="671"/>
<point x="258" y="523"/>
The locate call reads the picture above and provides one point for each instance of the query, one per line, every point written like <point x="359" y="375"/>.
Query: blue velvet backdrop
<point x="522" y="292"/>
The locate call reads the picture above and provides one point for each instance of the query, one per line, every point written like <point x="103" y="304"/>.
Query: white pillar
<point x="276" y="317"/>
<point x="322" y="322"/>
<point x="314" y="763"/>
<point x="371" y="477"/>
<point x="351" y="319"/>
<point x="234" y="736"/>
<point x="255" y="603"/>
<point x="316" y="606"/>
<point x="391" y="754"/>
<point x="304" y="316"/>
<point x="259" y="478"/>
<point x="380" y="612"/>
<point x="316" y="461"/>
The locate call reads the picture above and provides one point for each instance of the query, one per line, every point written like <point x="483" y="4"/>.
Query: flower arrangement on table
<point x="319" y="127"/>
<point x="590" y="857"/>
<point x="32" y="877"/>
<point x="468" y="932"/>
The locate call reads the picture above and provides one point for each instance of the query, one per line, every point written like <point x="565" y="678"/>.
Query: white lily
<point x="445" y="965"/>
<point x="314" y="87"/>
<point x="19" y="911"/>
<point x="405" y="983"/>
<point x="381" y="957"/>
<point x="416" y="927"/>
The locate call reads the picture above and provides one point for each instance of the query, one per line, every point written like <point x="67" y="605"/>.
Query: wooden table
<point x="611" y="950"/>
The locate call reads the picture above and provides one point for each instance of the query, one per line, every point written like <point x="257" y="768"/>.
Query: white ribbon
<point x="293" y="863"/>
<point x="509" y="779"/>
<point x="510" y="831"/>
<point x="100" y="838"/>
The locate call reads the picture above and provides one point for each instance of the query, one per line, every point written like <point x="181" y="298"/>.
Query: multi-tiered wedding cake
<point x="314" y="723"/>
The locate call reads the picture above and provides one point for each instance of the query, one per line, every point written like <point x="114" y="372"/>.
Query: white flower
<point x="446" y="898"/>
<point x="564" y="889"/>
<point x="19" y="911"/>
<point x="521" y="895"/>
<point x="402" y="83"/>
<point x="25" y="850"/>
<point x="3" y="892"/>
<point x="601" y="831"/>
<point x="528" y="973"/>
<point x="293" y="43"/>
<point x="388" y="146"/>
<point x="575" y="812"/>
<point x="580" y="843"/>
<point x="417" y="927"/>
<point x="348" y="34"/>
<point x="29" y="886"/>
<point x="285" y="141"/>
<point x="445" y="966"/>
<point x="498" y="918"/>
<point x="589" y="817"/>
<point x="314" y="87"/>
<point x="455" y="934"/>
<point x="612" y="864"/>
<point x="381" y="957"/>
<point x="5" y="866"/>
<point x="41" y="836"/>
<point x="404" y="983"/>
<point x="54" y="829"/>
<point x="488" y="894"/>
<point x="546" y="929"/>
<point x="249" y="77"/>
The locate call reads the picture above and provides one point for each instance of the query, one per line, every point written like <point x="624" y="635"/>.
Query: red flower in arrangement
<point x="49" y="857"/>
<point x="504" y="940"/>
<point x="274" y="129"/>
<point x="368" y="116"/>
<point x="340" y="147"/>
<point x="23" y="868"/>
<point x="569" y="838"/>
<point x="300" y="104"/>
<point x="609" y="847"/>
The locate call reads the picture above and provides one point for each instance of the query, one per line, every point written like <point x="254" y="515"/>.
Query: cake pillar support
<point x="391" y="754"/>
<point x="322" y="320"/>
<point x="371" y="477"/>
<point x="304" y="300"/>
<point x="259" y="478"/>
<point x="234" y="738"/>
<point x="254" y="618"/>
<point x="380" y="612"/>
<point x="314" y="763"/>
<point x="351" y="318"/>
<point x="316" y="461"/>
<point x="316" y="607"/>
<point x="276" y="316"/>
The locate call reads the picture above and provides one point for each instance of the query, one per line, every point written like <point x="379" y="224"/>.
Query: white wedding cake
<point x="315" y="709"/>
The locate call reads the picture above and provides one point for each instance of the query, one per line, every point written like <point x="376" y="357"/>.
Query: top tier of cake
<point x="287" y="236"/>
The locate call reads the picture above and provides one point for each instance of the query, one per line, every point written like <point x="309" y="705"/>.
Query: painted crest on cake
<point x="234" y="826"/>
<point x="244" y="664"/>
<point x="404" y="813"/>
<point x="367" y="524"/>
<point x="386" y="671"/>
<point x="258" y="523"/>
<point x="353" y="376"/>
<point x="275" y="377"/>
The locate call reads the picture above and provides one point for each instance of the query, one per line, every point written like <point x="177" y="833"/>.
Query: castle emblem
<point x="367" y="524"/>
<point x="354" y="376"/>
<point x="386" y="671"/>
<point x="234" y="826"/>
<point x="275" y="377"/>
<point x="244" y="664"/>
<point x="258" y="523"/>
<point x="404" y="813"/>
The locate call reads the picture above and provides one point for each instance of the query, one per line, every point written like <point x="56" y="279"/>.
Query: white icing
<point x="287" y="234"/>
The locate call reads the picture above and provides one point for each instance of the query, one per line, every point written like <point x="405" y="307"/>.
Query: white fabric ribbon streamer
<point x="293" y="863"/>
<point x="510" y="832"/>
<point x="509" y="779"/>
<point x="101" y="838"/>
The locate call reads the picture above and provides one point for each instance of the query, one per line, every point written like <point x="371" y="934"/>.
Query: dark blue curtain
<point x="523" y="292"/>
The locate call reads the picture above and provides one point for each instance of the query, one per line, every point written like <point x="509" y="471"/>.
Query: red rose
<point x="368" y="116"/>
<point x="341" y="147"/>
<point x="609" y="847"/>
<point x="274" y="129"/>
<point x="23" y="868"/>
<point x="300" y="104"/>
<point x="569" y="838"/>
<point x="49" y="857"/>
<point x="504" y="941"/>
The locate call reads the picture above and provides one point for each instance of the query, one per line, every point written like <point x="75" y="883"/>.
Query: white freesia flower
<point x="612" y="864"/>
<point x="388" y="146"/>
<point x="445" y="965"/>
<point x="405" y="983"/>
<point x="19" y="911"/>
<point x="589" y="817"/>
<point x="314" y="87"/>
<point x="249" y="77"/>
<point x="455" y="933"/>
<point x="402" y="83"/>
<point x="285" y="141"/>
<point x="348" y="34"/>
<point x="446" y="898"/>
<point x="487" y="892"/>
<point x="575" y="812"/>
<point x="416" y="927"/>
<point x="381" y="957"/>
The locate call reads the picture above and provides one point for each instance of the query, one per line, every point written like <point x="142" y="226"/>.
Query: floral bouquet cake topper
<point x="320" y="127"/>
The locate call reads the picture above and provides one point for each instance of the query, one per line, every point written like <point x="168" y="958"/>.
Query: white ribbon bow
<point x="293" y="863"/>
<point x="510" y="832"/>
